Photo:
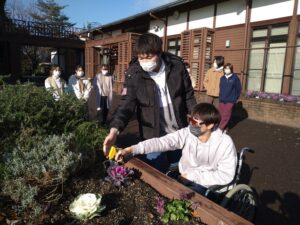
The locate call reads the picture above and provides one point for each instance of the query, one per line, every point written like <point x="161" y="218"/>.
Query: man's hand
<point x="123" y="153"/>
<point x="110" y="140"/>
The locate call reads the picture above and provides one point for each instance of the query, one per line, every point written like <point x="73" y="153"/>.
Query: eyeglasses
<point x="194" y="122"/>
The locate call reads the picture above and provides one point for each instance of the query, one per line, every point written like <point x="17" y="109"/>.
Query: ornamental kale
<point x="119" y="175"/>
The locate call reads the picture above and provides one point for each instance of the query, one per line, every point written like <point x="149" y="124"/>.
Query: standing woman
<point x="103" y="86"/>
<point x="230" y="90"/>
<point x="212" y="81"/>
<point x="79" y="85"/>
<point x="55" y="83"/>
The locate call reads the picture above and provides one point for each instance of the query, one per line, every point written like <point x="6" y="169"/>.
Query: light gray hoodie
<point x="210" y="163"/>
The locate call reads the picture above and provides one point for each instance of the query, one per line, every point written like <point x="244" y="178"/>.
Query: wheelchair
<point x="236" y="197"/>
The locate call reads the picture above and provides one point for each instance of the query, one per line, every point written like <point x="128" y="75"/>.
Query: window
<point x="174" y="46"/>
<point x="266" y="58"/>
<point x="296" y="74"/>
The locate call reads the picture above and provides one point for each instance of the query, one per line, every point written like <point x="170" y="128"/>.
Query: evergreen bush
<point x="42" y="143"/>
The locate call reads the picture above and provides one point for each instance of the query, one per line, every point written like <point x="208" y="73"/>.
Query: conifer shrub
<point x="43" y="142"/>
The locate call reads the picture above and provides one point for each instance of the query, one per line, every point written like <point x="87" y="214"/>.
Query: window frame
<point x="177" y="39"/>
<point x="268" y="39"/>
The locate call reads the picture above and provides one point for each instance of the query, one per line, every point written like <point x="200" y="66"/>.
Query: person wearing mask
<point x="158" y="88"/>
<point x="103" y="86"/>
<point x="79" y="85"/>
<point x="212" y="81"/>
<point x="208" y="155"/>
<point x="230" y="90"/>
<point x="55" y="83"/>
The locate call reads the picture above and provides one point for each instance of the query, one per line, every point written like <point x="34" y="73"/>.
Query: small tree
<point x="49" y="11"/>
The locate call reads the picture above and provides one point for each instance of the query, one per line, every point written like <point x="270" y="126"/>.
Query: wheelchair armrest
<point x="215" y="188"/>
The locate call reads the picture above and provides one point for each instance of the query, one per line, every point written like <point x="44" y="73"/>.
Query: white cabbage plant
<point x="86" y="206"/>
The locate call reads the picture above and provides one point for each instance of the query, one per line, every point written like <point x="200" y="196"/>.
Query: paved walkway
<point x="273" y="170"/>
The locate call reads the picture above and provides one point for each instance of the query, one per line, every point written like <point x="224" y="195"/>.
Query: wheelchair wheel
<point x="241" y="200"/>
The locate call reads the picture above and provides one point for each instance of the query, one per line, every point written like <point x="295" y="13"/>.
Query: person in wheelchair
<point x="209" y="156"/>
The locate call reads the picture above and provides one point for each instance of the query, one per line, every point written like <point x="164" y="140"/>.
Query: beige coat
<point x="212" y="81"/>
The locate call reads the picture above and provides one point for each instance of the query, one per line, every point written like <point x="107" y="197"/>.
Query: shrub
<point x="35" y="173"/>
<point x="42" y="143"/>
<point x="31" y="107"/>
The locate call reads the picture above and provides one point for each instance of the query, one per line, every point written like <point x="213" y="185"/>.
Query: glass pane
<point x="172" y="43"/>
<point x="296" y="83"/>
<point x="275" y="65"/>
<point x="296" y="75"/>
<point x="173" y="51"/>
<point x="196" y="51"/>
<point x="279" y="30"/>
<point x="254" y="80"/>
<point x="179" y="42"/>
<point x="297" y="56"/>
<point x="256" y="58"/>
<point x="260" y="33"/>
<point x="179" y="53"/>
<point x="196" y="40"/>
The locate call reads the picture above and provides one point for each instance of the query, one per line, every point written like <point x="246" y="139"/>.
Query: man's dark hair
<point x="230" y="66"/>
<point x="148" y="44"/>
<point x="103" y="65"/>
<point x="207" y="112"/>
<point x="79" y="67"/>
<point x="219" y="60"/>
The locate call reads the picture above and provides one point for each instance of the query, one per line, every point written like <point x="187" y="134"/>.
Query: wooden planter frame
<point x="209" y="212"/>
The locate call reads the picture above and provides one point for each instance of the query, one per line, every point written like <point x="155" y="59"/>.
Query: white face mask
<point x="227" y="71"/>
<point x="79" y="73"/>
<point x="148" y="66"/>
<point x="104" y="72"/>
<point x="56" y="74"/>
<point x="215" y="65"/>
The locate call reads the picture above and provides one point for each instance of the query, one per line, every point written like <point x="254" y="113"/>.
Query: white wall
<point x="116" y="32"/>
<point x="161" y="27"/>
<point x="298" y="12"/>
<point x="231" y="13"/>
<point x="202" y="17"/>
<point x="271" y="9"/>
<point x="177" y="25"/>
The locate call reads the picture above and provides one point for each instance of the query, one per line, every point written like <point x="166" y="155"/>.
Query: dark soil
<point x="131" y="205"/>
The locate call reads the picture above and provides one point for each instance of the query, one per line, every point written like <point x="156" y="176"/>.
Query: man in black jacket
<point x="158" y="87"/>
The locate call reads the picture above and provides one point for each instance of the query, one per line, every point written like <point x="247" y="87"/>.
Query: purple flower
<point x="290" y="98"/>
<point x="160" y="206"/>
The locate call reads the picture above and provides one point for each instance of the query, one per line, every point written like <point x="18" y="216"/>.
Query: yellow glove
<point x="112" y="153"/>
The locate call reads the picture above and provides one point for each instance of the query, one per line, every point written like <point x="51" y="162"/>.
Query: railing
<point x="40" y="29"/>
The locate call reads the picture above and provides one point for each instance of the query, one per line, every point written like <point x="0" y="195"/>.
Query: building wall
<point x="236" y="37"/>
<point x="230" y="13"/>
<point x="157" y="27"/>
<point x="271" y="9"/>
<point x="202" y="17"/>
<point x="176" y="25"/>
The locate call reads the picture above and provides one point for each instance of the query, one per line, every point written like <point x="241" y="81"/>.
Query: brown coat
<point x="212" y="81"/>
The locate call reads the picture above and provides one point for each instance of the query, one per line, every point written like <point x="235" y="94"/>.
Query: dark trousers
<point x="102" y="115"/>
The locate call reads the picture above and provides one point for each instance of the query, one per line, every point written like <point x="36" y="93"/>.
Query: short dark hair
<point x="79" y="67"/>
<point x="148" y="44"/>
<point x="219" y="60"/>
<point x="103" y="65"/>
<point x="53" y="67"/>
<point x="230" y="66"/>
<point x="207" y="112"/>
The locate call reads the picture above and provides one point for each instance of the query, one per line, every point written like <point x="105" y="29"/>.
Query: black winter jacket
<point x="140" y="94"/>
